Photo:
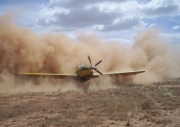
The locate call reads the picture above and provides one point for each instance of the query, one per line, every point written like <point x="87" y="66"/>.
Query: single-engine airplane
<point x="83" y="73"/>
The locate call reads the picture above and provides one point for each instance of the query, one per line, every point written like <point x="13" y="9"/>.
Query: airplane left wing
<point x="48" y="75"/>
<point x="120" y="73"/>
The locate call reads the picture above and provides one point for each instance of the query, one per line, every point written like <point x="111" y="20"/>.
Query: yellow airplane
<point x="83" y="73"/>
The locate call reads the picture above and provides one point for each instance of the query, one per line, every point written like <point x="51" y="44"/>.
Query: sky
<point x="118" y="20"/>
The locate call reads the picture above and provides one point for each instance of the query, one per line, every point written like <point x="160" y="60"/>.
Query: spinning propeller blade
<point x="98" y="63"/>
<point x="90" y="60"/>
<point x="98" y="72"/>
<point x="93" y="67"/>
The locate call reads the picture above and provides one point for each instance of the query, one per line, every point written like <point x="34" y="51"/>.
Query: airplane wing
<point x="120" y="73"/>
<point x="48" y="75"/>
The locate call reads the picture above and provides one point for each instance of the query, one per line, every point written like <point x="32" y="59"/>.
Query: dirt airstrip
<point x="138" y="105"/>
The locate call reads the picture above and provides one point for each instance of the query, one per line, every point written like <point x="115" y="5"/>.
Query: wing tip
<point x="142" y="71"/>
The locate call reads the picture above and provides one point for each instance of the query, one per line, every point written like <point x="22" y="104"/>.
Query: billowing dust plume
<point x="22" y="50"/>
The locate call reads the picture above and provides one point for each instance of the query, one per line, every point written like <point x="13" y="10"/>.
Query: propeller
<point x="98" y="63"/>
<point x="94" y="67"/>
<point x="98" y="72"/>
<point x="90" y="60"/>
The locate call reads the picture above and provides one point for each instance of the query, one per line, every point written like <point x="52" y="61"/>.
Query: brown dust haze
<point x="22" y="50"/>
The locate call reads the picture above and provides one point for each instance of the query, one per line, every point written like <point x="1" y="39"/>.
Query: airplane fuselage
<point x="84" y="73"/>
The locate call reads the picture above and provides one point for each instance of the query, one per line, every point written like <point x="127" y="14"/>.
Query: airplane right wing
<point x="120" y="73"/>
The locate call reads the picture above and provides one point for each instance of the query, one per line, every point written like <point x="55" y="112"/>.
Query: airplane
<point x="82" y="74"/>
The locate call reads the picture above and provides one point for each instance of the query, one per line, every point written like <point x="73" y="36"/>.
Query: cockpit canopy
<point x="80" y="65"/>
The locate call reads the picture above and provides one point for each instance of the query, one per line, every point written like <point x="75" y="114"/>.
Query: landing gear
<point x="83" y="83"/>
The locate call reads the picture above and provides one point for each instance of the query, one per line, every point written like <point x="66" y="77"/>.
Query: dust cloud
<point x="22" y="50"/>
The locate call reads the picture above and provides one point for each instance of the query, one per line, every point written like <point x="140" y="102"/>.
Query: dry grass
<point x="81" y="109"/>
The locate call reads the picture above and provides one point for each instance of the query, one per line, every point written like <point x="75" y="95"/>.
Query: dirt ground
<point x="153" y="105"/>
